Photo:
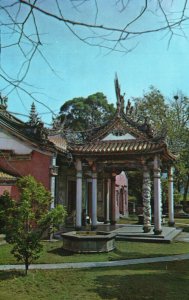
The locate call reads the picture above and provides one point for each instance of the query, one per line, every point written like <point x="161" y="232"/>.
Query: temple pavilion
<point x="92" y="175"/>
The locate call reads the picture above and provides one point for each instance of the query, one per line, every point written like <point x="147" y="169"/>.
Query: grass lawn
<point x="167" y="281"/>
<point x="53" y="252"/>
<point x="157" y="281"/>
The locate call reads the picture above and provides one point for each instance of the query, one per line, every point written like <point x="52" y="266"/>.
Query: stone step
<point x="167" y="237"/>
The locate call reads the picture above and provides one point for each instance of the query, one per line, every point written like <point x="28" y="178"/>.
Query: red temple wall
<point x="37" y="166"/>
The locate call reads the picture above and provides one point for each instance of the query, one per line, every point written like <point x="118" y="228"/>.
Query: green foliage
<point x="85" y="113"/>
<point x="27" y="220"/>
<point x="5" y="204"/>
<point x="135" y="190"/>
<point x="152" y="106"/>
<point x="171" y="117"/>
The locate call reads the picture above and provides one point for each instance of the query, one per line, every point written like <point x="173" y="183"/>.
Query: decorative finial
<point x="3" y="102"/>
<point x="120" y="98"/>
<point x="33" y="117"/>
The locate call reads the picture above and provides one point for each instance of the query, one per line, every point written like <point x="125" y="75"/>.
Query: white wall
<point x="9" y="142"/>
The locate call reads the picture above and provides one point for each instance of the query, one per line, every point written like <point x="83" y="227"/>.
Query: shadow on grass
<point x="61" y="252"/>
<point x="143" y="283"/>
<point x="118" y="254"/>
<point x="4" y="275"/>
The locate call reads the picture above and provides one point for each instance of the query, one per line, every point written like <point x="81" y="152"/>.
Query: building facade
<point x="24" y="150"/>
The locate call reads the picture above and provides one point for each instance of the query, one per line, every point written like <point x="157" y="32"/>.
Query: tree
<point x="6" y="204"/>
<point x="153" y="107"/>
<point x="170" y="117"/>
<point x="20" y="22"/>
<point x="179" y="140"/>
<point x="84" y="114"/>
<point x="28" y="219"/>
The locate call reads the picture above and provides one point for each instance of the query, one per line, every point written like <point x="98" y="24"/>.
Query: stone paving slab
<point x="135" y="232"/>
<point x="82" y="265"/>
<point x="183" y="237"/>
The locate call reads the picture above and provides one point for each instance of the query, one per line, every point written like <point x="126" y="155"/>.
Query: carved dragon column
<point x="170" y="197"/>
<point x="78" y="166"/>
<point x="157" y="198"/>
<point x="146" y="193"/>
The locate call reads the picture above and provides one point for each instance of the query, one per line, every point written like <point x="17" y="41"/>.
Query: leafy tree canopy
<point x="171" y="116"/>
<point x="153" y="106"/>
<point x="27" y="220"/>
<point x="82" y="114"/>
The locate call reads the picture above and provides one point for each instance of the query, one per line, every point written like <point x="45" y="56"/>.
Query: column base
<point x="107" y="222"/>
<point x="157" y="231"/>
<point x="112" y="222"/>
<point x="171" y="224"/>
<point x="146" y="229"/>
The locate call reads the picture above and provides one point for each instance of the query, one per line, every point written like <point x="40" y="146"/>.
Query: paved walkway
<point x="82" y="265"/>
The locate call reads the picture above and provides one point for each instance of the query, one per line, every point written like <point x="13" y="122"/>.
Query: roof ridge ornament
<point x="35" y="126"/>
<point x="33" y="117"/>
<point x="3" y="102"/>
<point x="120" y="98"/>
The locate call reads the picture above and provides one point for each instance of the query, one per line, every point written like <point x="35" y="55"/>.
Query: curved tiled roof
<point x="59" y="142"/>
<point x="117" y="147"/>
<point x="123" y="147"/>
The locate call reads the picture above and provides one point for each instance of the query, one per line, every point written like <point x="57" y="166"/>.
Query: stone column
<point x="146" y="193"/>
<point x="157" y="198"/>
<point x="113" y="201"/>
<point x="52" y="192"/>
<point x="53" y="173"/>
<point x="170" y="197"/>
<point x="78" y="166"/>
<point x="94" y="198"/>
<point x="107" y="217"/>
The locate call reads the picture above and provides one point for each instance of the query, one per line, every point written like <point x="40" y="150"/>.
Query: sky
<point x="80" y="70"/>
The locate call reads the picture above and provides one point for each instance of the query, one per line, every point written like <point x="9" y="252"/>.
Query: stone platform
<point x="130" y="232"/>
<point x="135" y="233"/>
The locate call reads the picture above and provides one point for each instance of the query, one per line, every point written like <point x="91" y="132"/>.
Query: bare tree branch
<point x="20" y="30"/>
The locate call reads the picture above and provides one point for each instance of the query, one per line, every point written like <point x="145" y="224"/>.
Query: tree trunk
<point x="26" y="266"/>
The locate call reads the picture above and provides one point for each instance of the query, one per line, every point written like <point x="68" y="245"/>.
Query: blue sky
<point x="81" y="70"/>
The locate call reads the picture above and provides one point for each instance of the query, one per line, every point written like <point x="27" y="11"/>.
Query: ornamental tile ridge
<point x="25" y="131"/>
<point x="20" y="130"/>
<point x="119" y="123"/>
<point x="107" y="147"/>
<point x="141" y="124"/>
<point x="8" y="118"/>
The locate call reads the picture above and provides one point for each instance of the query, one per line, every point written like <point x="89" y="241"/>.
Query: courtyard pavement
<point x="131" y="232"/>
